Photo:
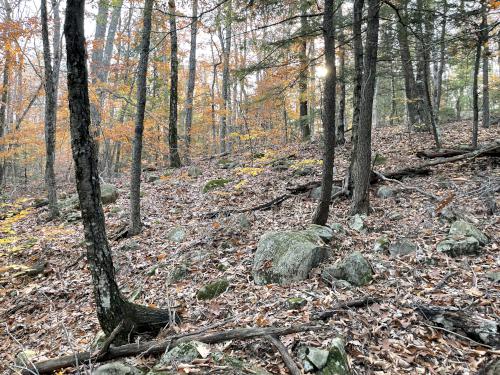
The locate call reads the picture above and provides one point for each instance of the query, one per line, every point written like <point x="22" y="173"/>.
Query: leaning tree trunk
<point x="486" y="56"/>
<point x="142" y="72"/>
<point x="358" y="82"/>
<point x="320" y="216"/>
<point x="362" y="162"/>
<point x="112" y="308"/>
<point x="175" y="160"/>
<point x="191" y="79"/>
<point x="50" y="116"/>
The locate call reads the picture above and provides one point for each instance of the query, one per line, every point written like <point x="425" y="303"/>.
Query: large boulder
<point x="109" y="193"/>
<point x="354" y="269"/>
<point x="461" y="228"/>
<point x="288" y="256"/>
<point x="456" y="248"/>
<point x="117" y="368"/>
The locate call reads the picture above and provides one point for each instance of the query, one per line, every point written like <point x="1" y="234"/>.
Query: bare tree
<point x="112" y="308"/>
<point x="50" y="115"/>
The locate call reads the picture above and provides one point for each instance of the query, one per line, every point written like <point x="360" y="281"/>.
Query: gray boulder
<point x="213" y="289"/>
<point x="303" y="171"/>
<point x="194" y="171"/>
<point x="384" y="192"/>
<point x="357" y="222"/>
<point x="109" y="193"/>
<point x="176" y="234"/>
<point x="402" y="248"/>
<point x="354" y="269"/>
<point x="316" y="192"/>
<point x="456" y="248"/>
<point x="381" y="244"/>
<point x="117" y="368"/>
<point x="337" y="362"/>
<point x="185" y="352"/>
<point x="285" y="257"/>
<point x="461" y="228"/>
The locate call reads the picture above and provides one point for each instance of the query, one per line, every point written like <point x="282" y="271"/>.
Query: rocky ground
<point x="412" y="251"/>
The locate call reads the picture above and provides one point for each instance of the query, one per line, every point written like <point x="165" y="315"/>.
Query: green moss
<point x="213" y="289"/>
<point x="337" y="363"/>
<point x="214" y="184"/>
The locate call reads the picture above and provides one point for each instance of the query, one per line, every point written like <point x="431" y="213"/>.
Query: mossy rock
<point x="117" y="368"/>
<point x="213" y="289"/>
<point x="179" y="273"/>
<point x="194" y="171"/>
<point x="354" y="269"/>
<point x="176" y="234"/>
<point x="185" y="352"/>
<point x="461" y="228"/>
<point x="109" y="193"/>
<point x="337" y="362"/>
<point x="381" y="244"/>
<point x="214" y="184"/>
<point x="295" y="303"/>
<point x="402" y="248"/>
<point x="25" y="357"/>
<point x="357" y="222"/>
<point x="456" y="248"/>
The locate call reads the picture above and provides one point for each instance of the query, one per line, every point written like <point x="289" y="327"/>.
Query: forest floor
<point x="53" y="313"/>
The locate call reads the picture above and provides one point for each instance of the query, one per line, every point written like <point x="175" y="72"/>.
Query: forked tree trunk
<point x="50" y="116"/>
<point x="112" y="308"/>
<point x="362" y="161"/>
<point x="142" y="72"/>
<point x="191" y="79"/>
<point x="175" y="160"/>
<point x="320" y="216"/>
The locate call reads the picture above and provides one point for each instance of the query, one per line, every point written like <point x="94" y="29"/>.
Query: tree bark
<point x="191" y="79"/>
<point x="362" y="162"/>
<point x="320" y="216"/>
<point x="340" y="136"/>
<point x="111" y="307"/>
<point x="50" y="116"/>
<point x="226" y="96"/>
<point x="303" y="77"/>
<point x="438" y="89"/>
<point x="475" y="93"/>
<point x="175" y="160"/>
<point x="4" y="97"/>
<point x="142" y="72"/>
<point x="358" y="82"/>
<point x="486" y="56"/>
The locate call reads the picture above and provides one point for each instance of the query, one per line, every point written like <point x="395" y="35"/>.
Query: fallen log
<point x="446" y="152"/>
<point x="361" y="302"/>
<point x="155" y="347"/>
<point x="464" y="324"/>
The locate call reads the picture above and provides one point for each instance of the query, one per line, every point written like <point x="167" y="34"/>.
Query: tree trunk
<point x="475" y="93"/>
<point x="320" y="216"/>
<point x="440" y="64"/>
<point x="50" y="116"/>
<point x="486" y="56"/>
<point x="340" y="137"/>
<point x="358" y="82"/>
<point x="175" y="160"/>
<point x="226" y="50"/>
<point x="142" y="72"/>
<point x="5" y="94"/>
<point x="112" y="308"/>
<point x="303" y="76"/>
<point x="191" y="79"/>
<point x="362" y="162"/>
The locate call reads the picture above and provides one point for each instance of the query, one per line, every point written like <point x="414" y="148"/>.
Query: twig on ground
<point x="289" y="362"/>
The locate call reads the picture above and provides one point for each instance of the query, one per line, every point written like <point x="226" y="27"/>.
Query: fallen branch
<point x="446" y="153"/>
<point x="463" y="323"/>
<point x="406" y="187"/>
<point x="445" y="280"/>
<point x="361" y="302"/>
<point x="261" y="207"/>
<point x="155" y="347"/>
<point x="287" y="358"/>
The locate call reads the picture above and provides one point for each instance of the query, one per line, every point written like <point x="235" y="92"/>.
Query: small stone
<point x="130" y="245"/>
<point x="295" y="303"/>
<point x="384" y="192"/>
<point x="354" y="269"/>
<point x="25" y="358"/>
<point x="213" y="289"/>
<point x="194" y="171"/>
<point x="227" y="164"/>
<point x="117" y="368"/>
<point x="402" y="248"/>
<point x="461" y="228"/>
<point x="109" y="193"/>
<point x="214" y="184"/>
<point x="316" y="192"/>
<point x="357" y="222"/>
<point x="304" y="171"/>
<point x="337" y="228"/>
<point x="176" y="234"/>
<point x="381" y="244"/>
<point x="456" y="248"/>
<point x="153" y="178"/>
<point x="337" y="363"/>
<point x="318" y="357"/>
<point x="494" y="276"/>
<point x="185" y="352"/>
<point x="395" y="216"/>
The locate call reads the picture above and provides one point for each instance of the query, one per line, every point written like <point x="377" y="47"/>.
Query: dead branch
<point x="156" y="347"/>
<point x="446" y="153"/>
<point x="261" y="207"/>
<point x="406" y="187"/>
<point x="287" y="358"/>
<point x="361" y="302"/>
